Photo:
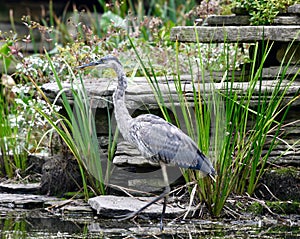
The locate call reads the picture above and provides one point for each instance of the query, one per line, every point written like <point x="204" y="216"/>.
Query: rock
<point x="128" y="155"/>
<point x="219" y="34"/>
<point x="60" y="175"/>
<point x="130" y="160"/>
<point x="283" y="183"/>
<point x="20" y="187"/>
<point x="287" y="20"/>
<point x="140" y="95"/>
<point x="227" y="20"/>
<point x="295" y="9"/>
<point x="111" y="206"/>
<point x="24" y="201"/>
<point x="77" y="211"/>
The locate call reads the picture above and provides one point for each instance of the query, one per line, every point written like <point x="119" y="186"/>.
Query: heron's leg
<point x="163" y="195"/>
<point x="167" y="191"/>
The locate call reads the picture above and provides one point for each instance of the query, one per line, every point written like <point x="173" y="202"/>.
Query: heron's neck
<point x="122" y="115"/>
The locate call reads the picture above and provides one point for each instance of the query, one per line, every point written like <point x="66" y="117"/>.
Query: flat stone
<point x="77" y="211"/>
<point x="31" y="203"/>
<point x="111" y="206"/>
<point x="128" y="160"/>
<point x="128" y="155"/>
<point x="220" y="34"/>
<point x="294" y="9"/>
<point x="139" y="94"/>
<point x="19" y="187"/>
<point x="24" y="201"/>
<point x="287" y="20"/>
<point x="227" y="20"/>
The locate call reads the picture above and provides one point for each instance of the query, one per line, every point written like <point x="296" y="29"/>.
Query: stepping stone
<point x="20" y="187"/>
<point x="111" y="206"/>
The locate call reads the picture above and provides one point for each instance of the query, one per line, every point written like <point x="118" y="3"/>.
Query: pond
<point x="14" y="225"/>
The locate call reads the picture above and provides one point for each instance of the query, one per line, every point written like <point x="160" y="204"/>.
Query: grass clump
<point x="77" y="129"/>
<point x="227" y="125"/>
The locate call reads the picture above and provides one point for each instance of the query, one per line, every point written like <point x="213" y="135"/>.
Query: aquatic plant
<point x="20" y="125"/>
<point x="77" y="130"/>
<point x="226" y="125"/>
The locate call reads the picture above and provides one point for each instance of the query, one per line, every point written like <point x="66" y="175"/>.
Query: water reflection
<point x="28" y="227"/>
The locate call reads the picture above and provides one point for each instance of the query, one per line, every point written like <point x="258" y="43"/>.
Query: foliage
<point x="222" y="117"/>
<point x="4" y="55"/>
<point x="228" y="128"/>
<point x="77" y="130"/>
<point x="167" y="11"/>
<point x="263" y="12"/>
<point x="207" y="7"/>
<point x="17" y="121"/>
<point x="240" y="157"/>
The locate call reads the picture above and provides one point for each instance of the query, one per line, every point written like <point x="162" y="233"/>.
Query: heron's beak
<point x="94" y="63"/>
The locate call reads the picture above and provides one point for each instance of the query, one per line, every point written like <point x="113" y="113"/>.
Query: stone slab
<point x="25" y="201"/>
<point x="244" y="20"/>
<point x="111" y="206"/>
<point x="127" y="154"/>
<point x="220" y="34"/>
<point x="19" y="187"/>
<point x="287" y="20"/>
<point x="227" y="20"/>
<point x="139" y="94"/>
<point x="295" y="9"/>
<point x="19" y="203"/>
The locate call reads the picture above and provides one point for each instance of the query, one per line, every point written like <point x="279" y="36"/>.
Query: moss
<point x="255" y="208"/>
<point x="277" y="207"/>
<point x="284" y="207"/>
<point x="287" y="171"/>
<point x="284" y="183"/>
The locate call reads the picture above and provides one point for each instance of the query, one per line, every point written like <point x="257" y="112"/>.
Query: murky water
<point x="12" y="226"/>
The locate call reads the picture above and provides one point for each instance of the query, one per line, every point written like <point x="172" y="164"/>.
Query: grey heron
<point x="156" y="139"/>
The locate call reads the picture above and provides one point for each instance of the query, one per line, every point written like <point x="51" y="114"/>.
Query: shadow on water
<point x="12" y="226"/>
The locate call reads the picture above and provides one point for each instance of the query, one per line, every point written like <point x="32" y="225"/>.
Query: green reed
<point x="77" y="129"/>
<point x="227" y="125"/>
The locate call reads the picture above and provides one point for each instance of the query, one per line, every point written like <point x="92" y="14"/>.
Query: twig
<point x="269" y="191"/>
<point x="263" y="203"/>
<point x="191" y="201"/>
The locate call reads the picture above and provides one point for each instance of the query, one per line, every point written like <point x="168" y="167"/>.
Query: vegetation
<point x="228" y="128"/>
<point x="264" y="12"/>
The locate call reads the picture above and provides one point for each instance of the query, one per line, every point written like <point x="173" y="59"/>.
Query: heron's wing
<point x="160" y="140"/>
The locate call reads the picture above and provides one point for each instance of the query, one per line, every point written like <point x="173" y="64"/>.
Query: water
<point x="38" y="226"/>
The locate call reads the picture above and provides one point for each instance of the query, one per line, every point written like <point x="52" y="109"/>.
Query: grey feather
<point x="160" y="140"/>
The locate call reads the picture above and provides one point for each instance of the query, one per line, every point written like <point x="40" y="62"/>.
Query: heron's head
<point x="108" y="61"/>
